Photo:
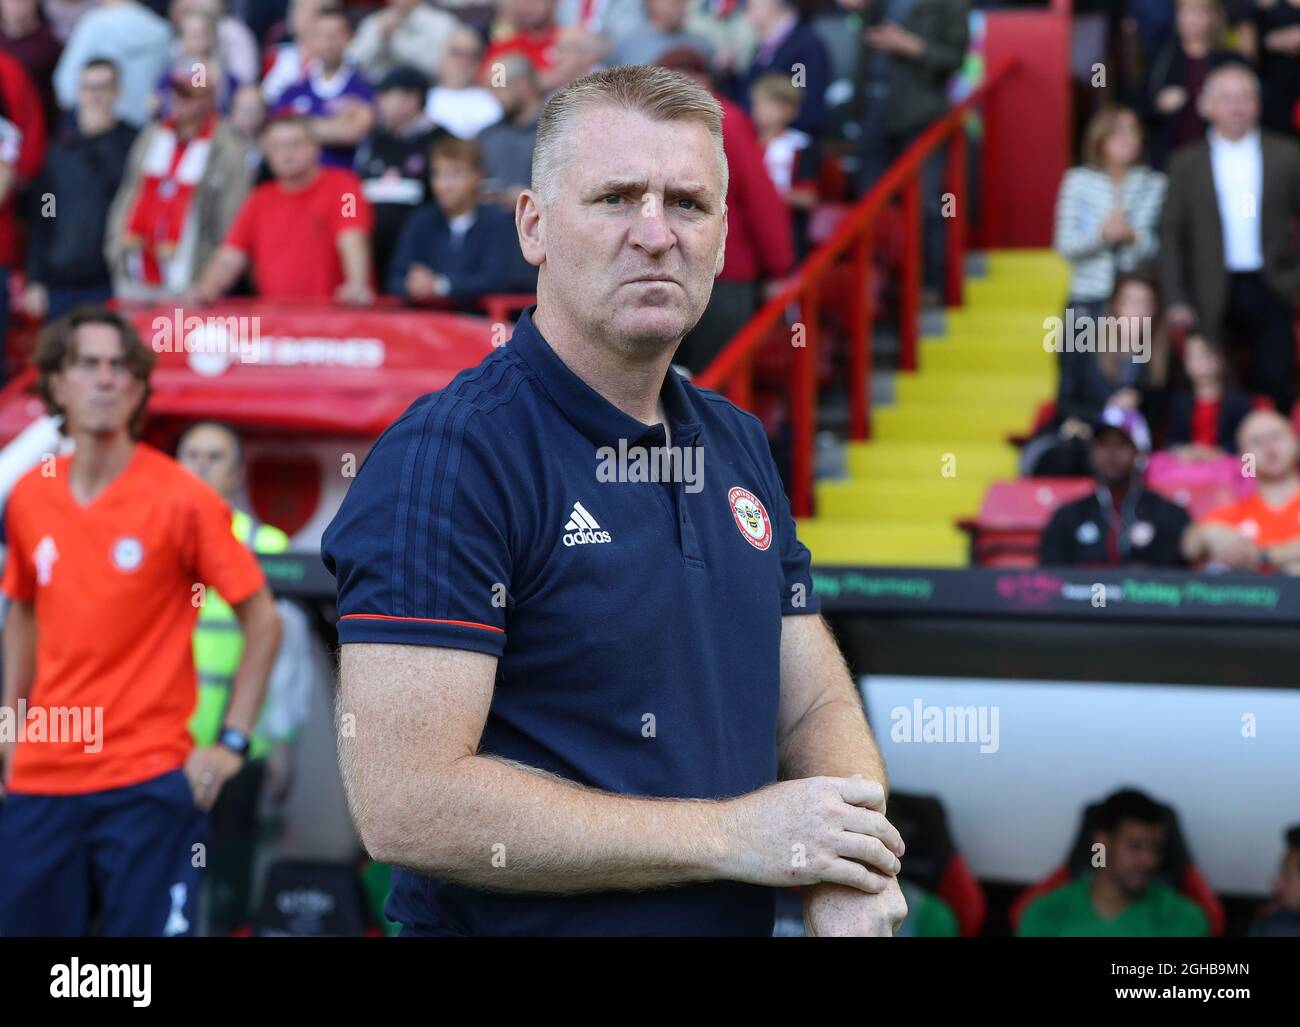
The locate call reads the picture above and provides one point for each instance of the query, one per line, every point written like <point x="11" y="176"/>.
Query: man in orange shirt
<point x="105" y="819"/>
<point x="1262" y="531"/>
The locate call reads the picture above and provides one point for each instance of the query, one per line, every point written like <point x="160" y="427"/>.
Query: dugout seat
<point x="1178" y="870"/>
<point x="932" y="860"/>
<point x="1013" y="515"/>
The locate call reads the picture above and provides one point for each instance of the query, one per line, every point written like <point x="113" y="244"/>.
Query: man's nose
<point x="651" y="231"/>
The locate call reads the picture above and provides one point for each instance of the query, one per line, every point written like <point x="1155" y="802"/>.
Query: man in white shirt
<point x="1230" y="262"/>
<point x="457" y="103"/>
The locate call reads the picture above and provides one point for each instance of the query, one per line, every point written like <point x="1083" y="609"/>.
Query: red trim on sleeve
<point x="422" y="620"/>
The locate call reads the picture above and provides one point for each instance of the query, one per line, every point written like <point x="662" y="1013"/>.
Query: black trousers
<point x="1261" y="323"/>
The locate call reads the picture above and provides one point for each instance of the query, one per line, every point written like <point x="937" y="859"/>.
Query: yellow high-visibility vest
<point x="219" y="643"/>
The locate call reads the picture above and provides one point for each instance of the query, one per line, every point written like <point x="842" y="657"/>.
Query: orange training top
<point x="115" y="591"/>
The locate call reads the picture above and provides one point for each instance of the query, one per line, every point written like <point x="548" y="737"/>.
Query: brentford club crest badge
<point x="751" y="517"/>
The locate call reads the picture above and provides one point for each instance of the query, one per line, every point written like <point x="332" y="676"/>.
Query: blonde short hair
<point x="656" y="93"/>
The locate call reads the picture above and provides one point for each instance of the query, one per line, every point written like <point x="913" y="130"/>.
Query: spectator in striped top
<point x="1107" y="210"/>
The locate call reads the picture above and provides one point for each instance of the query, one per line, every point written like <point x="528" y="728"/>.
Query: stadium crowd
<point x="1178" y="226"/>
<point x="337" y="153"/>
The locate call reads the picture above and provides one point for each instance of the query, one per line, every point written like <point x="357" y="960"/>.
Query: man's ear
<point x="528" y="224"/>
<point x="56" y="390"/>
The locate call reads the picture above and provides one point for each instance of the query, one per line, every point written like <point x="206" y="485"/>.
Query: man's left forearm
<point x="824" y="731"/>
<point x="831" y="736"/>
<point x="354" y="254"/>
<point x="261" y="626"/>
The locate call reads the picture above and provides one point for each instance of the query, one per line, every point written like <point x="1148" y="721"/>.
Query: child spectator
<point x="457" y="247"/>
<point x="334" y="96"/>
<point x="790" y="156"/>
<point x="1204" y="416"/>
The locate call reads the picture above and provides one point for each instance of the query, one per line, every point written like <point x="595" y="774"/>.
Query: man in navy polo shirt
<point x="585" y="689"/>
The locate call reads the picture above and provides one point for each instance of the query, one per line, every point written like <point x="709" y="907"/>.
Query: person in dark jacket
<point x="457" y="248"/>
<point x="788" y="44"/>
<point x="393" y="161"/>
<point x="1172" y="91"/>
<point x="1121" y="523"/>
<point x="909" y="50"/>
<point x="1120" y="359"/>
<point x="1205" y="415"/>
<point x="82" y="173"/>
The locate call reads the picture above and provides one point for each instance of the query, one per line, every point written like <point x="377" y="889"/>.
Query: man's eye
<point x="690" y="204"/>
<point x="612" y="196"/>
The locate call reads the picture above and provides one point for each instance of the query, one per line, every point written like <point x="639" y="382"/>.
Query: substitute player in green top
<point x="1124" y="898"/>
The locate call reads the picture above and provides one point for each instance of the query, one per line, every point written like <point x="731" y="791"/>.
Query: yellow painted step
<point x="920" y="500"/>
<point x="1012" y="361"/>
<point x="1010" y="294"/>
<point x="1022" y="391"/>
<point x="946" y="424"/>
<point x="867" y="543"/>
<point x="926" y="460"/>
<point x="994" y="321"/>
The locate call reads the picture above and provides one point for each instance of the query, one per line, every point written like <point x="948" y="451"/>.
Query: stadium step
<point x="936" y="447"/>
<point x="919" y="500"/>
<point x="877" y="543"/>
<point x="886" y="461"/>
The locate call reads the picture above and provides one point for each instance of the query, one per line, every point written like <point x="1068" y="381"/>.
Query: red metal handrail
<point x="732" y="371"/>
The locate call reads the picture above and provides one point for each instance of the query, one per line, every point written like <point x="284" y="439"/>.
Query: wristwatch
<point x="235" y="740"/>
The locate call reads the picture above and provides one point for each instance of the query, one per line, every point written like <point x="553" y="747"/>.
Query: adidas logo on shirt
<point x="582" y="528"/>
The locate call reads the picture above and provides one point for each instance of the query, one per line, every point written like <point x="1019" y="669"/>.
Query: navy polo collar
<point x="590" y="412"/>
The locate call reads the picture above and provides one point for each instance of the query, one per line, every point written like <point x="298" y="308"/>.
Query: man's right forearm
<point x="499" y="825"/>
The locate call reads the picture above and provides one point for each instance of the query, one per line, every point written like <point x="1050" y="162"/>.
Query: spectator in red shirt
<point x="760" y="240"/>
<point x="1204" y="416"/>
<point x="22" y="154"/>
<point x="303" y="236"/>
<point x="528" y="28"/>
